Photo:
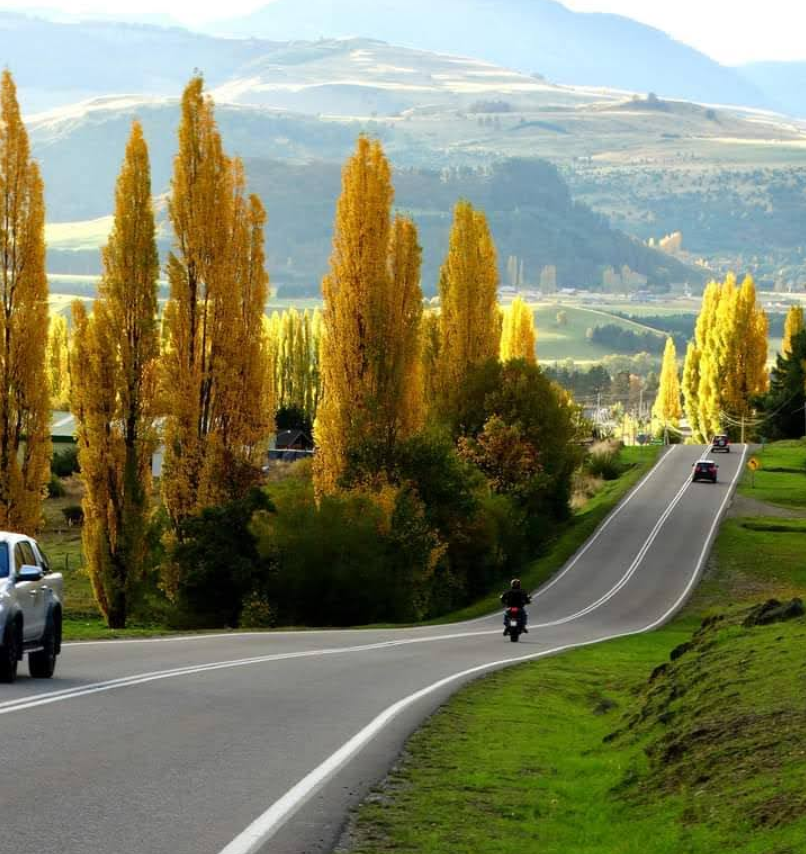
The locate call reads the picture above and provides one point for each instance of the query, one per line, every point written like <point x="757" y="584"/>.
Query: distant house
<point x="290" y="445"/>
<point x="62" y="428"/>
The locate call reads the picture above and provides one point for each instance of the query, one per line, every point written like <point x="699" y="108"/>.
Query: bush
<point x="218" y="562"/>
<point x="65" y="462"/>
<point x="56" y="488"/>
<point x="258" y="612"/>
<point x="604" y="462"/>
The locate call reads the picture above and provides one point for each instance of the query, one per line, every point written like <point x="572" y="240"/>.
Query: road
<point x="262" y="742"/>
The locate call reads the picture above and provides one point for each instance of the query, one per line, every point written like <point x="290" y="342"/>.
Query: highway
<point x="262" y="742"/>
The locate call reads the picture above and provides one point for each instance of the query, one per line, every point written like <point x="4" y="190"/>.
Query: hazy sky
<point x="732" y="31"/>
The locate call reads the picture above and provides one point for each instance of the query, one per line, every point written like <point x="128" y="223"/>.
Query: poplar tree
<point x="518" y="337"/>
<point x="295" y="341"/>
<point x="726" y="363"/>
<point x="667" y="410"/>
<point x="468" y="286"/>
<point x="216" y="376"/>
<point x="58" y="362"/>
<point x="114" y="392"/>
<point x="743" y="332"/>
<point x="25" y="447"/>
<point x="793" y="326"/>
<point x="370" y="338"/>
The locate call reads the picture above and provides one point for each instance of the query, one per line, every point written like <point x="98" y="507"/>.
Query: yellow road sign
<point x="754" y="464"/>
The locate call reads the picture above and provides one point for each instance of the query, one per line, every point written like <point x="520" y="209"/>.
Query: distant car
<point x="705" y="470"/>
<point x="721" y="444"/>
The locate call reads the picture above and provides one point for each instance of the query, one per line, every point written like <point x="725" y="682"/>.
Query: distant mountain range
<point x="784" y="81"/>
<point x="540" y="36"/>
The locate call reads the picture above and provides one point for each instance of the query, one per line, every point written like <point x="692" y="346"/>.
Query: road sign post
<point x="754" y="464"/>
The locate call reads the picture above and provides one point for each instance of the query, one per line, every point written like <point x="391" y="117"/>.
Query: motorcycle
<point x="514" y="623"/>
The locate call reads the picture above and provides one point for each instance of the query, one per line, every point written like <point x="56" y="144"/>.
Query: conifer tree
<point x="216" y="374"/>
<point x="667" y="410"/>
<point x="468" y="286"/>
<point x="518" y="335"/>
<point x="793" y="326"/>
<point x="58" y="362"/>
<point x="25" y="446"/>
<point x="371" y="320"/>
<point x="114" y="392"/>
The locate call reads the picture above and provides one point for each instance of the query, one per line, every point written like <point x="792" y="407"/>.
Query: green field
<point x="601" y="751"/>
<point x="556" y="343"/>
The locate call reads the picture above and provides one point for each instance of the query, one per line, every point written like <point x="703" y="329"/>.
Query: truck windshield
<point x="3" y="560"/>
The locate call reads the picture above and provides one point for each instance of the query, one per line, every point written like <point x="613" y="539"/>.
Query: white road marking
<point x="235" y="635"/>
<point x="43" y="699"/>
<point x="251" y="840"/>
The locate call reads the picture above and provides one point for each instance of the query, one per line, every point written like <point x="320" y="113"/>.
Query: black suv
<point x="705" y="470"/>
<point x="721" y="443"/>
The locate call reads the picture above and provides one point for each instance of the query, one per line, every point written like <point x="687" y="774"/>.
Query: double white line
<point x="255" y="837"/>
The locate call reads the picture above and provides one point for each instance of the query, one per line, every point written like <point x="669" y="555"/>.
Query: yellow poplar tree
<point x="793" y="326"/>
<point x="468" y="289"/>
<point x="690" y="388"/>
<point x="518" y="337"/>
<point x="114" y="391"/>
<point x="58" y="360"/>
<point x="667" y="410"/>
<point x="370" y="338"/>
<point x="743" y="333"/>
<point x="25" y="446"/>
<point x="295" y="348"/>
<point x="216" y="376"/>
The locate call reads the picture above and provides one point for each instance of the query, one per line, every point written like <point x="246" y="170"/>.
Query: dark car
<point x="721" y="443"/>
<point x="705" y="470"/>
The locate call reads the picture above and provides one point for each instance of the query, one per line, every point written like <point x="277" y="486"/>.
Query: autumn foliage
<point x="24" y="386"/>
<point x="216" y="379"/>
<point x="726" y="364"/>
<point x="114" y="392"/>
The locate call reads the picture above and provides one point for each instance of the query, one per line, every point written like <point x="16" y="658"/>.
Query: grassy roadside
<point x="623" y="748"/>
<point x="82" y="622"/>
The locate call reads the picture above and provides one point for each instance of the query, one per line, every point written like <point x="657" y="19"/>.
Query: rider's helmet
<point x="516" y="584"/>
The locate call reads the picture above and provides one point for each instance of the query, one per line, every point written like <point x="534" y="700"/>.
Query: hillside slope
<point x="530" y="35"/>
<point x="531" y="212"/>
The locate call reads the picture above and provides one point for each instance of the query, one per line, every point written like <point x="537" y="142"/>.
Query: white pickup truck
<point x="30" y="608"/>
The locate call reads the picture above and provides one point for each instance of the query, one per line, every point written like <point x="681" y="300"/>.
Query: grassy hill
<point x="685" y="739"/>
<point x="530" y="35"/>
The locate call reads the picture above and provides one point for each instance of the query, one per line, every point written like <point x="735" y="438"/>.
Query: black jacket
<point x="515" y="598"/>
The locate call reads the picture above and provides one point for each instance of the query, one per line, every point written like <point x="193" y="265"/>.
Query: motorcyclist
<point x="516" y="597"/>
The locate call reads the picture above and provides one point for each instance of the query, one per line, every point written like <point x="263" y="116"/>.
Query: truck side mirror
<point x="29" y="573"/>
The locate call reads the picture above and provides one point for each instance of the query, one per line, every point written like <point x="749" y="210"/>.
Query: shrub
<point x="56" y="488"/>
<point x="603" y="462"/>
<point x="65" y="462"/>
<point x="219" y="562"/>
<point x="258" y="612"/>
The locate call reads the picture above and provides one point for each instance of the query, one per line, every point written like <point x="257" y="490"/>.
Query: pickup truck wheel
<point x="9" y="655"/>
<point x="42" y="664"/>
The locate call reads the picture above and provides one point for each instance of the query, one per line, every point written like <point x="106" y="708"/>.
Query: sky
<point x="731" y="31"/>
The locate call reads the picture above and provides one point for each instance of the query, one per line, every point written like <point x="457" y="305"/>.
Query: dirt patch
<point x="744" y="506"/>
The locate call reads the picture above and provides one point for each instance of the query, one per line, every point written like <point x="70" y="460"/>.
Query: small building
<point x="291" y="445"/>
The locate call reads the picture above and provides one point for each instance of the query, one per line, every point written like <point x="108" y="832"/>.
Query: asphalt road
<point x="262" y="742"/>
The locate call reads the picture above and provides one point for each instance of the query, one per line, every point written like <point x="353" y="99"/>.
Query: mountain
<point x="531" y="211"/>
<point x="785" y="82"/>
<point x="528" y="35"/>
<point x="56" y="63"/>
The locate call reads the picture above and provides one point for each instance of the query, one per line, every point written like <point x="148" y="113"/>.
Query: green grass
<point x="599" y="752"/>
<point x="583" y="753"/>
<point x="556" y="343"/>
<point x="782" y="477"/>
